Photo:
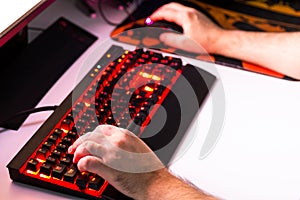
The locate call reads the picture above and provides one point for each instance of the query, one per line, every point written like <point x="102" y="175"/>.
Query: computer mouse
<point x="164" y="24"/>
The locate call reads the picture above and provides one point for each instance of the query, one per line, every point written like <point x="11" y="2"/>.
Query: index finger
<point x="78" y="142"/>
<point x="169" y="12"/>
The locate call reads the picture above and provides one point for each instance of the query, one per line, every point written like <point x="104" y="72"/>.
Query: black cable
<point x="103" y="15"/>
<point x="137" y="3"/>
<point x="28" y="112"/>
<point x="109" y="22"/>
<point x="36" y="29"/>
<point x="129" y="14"/>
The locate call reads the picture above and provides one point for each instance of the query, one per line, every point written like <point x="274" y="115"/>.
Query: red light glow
<point x="148" y="89"/>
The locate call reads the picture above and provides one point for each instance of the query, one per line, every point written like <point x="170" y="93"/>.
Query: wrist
<point x="217" y="41"/>
<point x="151" y="181"/>
<point x="228" y="43"/>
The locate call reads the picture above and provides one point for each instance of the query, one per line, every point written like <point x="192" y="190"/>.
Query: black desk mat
<point x="248" y="15"/>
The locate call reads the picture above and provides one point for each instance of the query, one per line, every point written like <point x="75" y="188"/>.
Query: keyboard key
<point x="41" y="153"/>
<point x="67" y="140"/>
<point x="32" y="165"/>
<point x="66" y="124"/>
<point x="69" y="156"/>
<point x="66" y="160"/>
<point x="72" y="134"/>
<point x="46" y="169"/>
<point x="96" y="182"/>
<point x="70" y="117"/>
<point x="47" y="145"/>
<point x="79" y="106"/>
<point x="56" y="153"/>
<point x="51" y="160"/>
<point x="71" y="174"/>
<point x="82" y="180"/>
<point x="62" y="147"/>
<point x="58" y="171"/>
<point x="53" y="139"/>
<point x="58" y="132"/>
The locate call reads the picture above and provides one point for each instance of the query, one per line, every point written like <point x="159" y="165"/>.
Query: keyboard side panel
<point x="181" y="104"/>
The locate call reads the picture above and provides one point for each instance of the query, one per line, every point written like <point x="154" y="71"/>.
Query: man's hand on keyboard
<point x="118" y="156"/>
<point x="129" y="165"/>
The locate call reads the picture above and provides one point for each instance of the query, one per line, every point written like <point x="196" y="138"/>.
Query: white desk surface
<point x="256" y="156"/>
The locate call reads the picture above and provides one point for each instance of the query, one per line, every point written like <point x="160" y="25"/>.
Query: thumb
<point x="180" y="41"/>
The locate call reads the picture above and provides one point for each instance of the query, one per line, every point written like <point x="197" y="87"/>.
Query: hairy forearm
<point x="146" y="178"/>
<point x="166" y="186"/>
<point x="277" y="51"/>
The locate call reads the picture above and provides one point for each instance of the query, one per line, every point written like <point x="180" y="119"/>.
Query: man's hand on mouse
<point x="199" y="32"/>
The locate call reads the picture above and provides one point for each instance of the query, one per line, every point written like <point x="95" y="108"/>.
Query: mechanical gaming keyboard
<point x="121" y="89"/>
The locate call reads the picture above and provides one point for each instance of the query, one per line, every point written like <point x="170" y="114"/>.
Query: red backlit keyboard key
<point x="62" y="147"/>
<point x="66" y="124"/>
<point x="96" y="182"/>
<point x="66" y="160"/>
<point x="58" y="171"/>
<point x="53" y="138"/>
<point x="46" y="169"/>
<point x="71" y="174"/>
<point x="41" y="153"/>
<point x="32" y="165"/>
<point x="51" y="160"/>
<point x="47" y="145"/>
<point x="56" y="153"/>
<point x="82" y="180"/>
<point x="58" y="132"/>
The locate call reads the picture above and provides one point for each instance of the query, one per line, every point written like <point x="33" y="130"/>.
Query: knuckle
<point x="86" y="146"/>
<point x="120" y="141"/>
<point x="189" y="14"/>
<point x="173" y="4"/>
<point x="107" y="129"/>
